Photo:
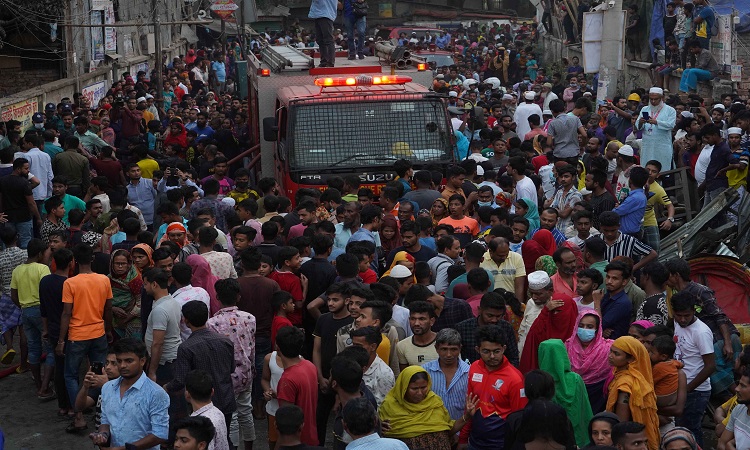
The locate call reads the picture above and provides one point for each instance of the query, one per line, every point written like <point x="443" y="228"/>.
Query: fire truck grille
<point x="329" y="134"/>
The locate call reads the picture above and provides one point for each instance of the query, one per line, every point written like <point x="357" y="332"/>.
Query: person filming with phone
<point x="90" y="393"/>
<point x="657" y="120"/>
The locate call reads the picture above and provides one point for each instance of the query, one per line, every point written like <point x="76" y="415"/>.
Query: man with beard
<point x="565" y="280"/>
<point x="657" y="121"/>
<point x="420" y="348"/>
<point x="349" y="226"/>
<point x="738" y="428"/>
<point x="410" y="244"/>
<point x="135" y="417"/>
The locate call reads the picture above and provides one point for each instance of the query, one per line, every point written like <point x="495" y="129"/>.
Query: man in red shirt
<point x="299" y="382"/>
<point x="499" y="387"/>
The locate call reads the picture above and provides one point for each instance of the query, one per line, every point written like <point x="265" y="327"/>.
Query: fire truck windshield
<point x="367" y="133"/>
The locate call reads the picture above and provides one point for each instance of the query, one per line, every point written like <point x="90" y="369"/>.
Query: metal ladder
<point x="285" y="57"/>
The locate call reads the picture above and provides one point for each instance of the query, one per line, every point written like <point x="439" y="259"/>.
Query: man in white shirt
<point x="523" y="111"/>
<point x="40" y="164"/>
<point x="695" y="349"/>
<point x="525" y="188"/>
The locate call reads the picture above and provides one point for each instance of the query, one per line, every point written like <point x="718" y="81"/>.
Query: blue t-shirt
<point x="220" y="71"/>
<point x="320" y="9"/>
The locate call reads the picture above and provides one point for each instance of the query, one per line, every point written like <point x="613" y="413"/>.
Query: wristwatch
<point x="671" y="219"/>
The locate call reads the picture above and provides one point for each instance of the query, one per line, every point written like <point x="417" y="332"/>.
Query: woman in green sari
<point x="126" y="292"/>
<point x="570" y="392"/>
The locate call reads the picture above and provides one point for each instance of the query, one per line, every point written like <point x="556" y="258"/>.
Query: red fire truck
<point x="357" y="118"/>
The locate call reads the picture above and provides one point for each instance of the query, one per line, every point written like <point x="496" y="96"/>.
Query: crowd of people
<point x="513" y="300"/>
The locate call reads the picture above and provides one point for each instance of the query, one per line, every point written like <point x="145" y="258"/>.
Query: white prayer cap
<point x="529" y="95"/>
<point x="400" y="271"/>
<point x="539" y="280"/>
<point x="507" y="97"/>
<point x="656" y="90"/>
<point x="734" y="130"/>
<point x="719" y="106"/>
<point x="687" y="114"/>
<point x="626" y="150"/>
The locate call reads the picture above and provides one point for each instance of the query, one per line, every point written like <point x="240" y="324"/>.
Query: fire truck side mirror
<point x="270" y="129"/>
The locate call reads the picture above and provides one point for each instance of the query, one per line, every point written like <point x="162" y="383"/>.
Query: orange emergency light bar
<point x="421" y="67"/>
<point x="362" y="80"/>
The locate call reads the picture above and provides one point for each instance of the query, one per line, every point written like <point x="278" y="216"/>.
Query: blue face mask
<point x="586" y="335"/>
<point x="484" y="203"/>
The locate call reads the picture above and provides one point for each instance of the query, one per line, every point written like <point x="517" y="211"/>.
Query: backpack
<point x="360" y="8"/>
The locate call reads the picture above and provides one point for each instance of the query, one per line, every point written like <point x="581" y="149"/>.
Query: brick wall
<point x="17" y="80"/>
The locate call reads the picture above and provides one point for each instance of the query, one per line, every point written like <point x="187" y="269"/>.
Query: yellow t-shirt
<point x="738" y="177"/>
<point x="25" y="280"/>
<point x="148" y="166"/>
<point x="506" y="273"/>
<point x="659" y="197"/>
<point x="729" y="406"/>
<point x="384" y="349"/>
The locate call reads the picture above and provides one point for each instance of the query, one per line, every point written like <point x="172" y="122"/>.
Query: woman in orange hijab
<point x="631" y="392"/>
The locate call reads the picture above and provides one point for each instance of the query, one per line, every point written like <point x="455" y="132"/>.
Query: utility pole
<point x="610" y="62"/>
<point x="158" y="59"/>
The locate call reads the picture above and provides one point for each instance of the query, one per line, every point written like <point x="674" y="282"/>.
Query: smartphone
<point x="645" y="115"/>
<point x="97" y="368"/>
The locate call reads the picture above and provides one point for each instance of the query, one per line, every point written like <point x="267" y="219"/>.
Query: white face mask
<point x="38" y="126"/>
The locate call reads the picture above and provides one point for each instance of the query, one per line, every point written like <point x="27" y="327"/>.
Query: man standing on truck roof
<point x="324" y="13"/>
<point x="355" y="22"/>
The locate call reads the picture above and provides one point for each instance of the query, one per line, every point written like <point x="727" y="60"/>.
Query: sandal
<point x="8" y="356"/>
<point x="46" y="397"/>
<point x="21" y="370"/>
<point x="73" y="429"/>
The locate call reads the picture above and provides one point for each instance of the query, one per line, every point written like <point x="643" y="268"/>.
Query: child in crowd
<point x="670" y="382"/>
<point x="283" y="305"/>
<point x="54" y="221"/>
<point x="290" y="261"/>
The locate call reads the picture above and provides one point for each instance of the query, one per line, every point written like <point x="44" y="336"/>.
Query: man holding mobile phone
<point x="657" y="121"/>
<point x="90" y="393"/>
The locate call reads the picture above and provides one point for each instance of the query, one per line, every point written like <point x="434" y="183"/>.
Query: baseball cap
<point x="452" y="94"/>
<point x="37" y="117"/>
<point x="50" y="107"/>
<point x="634" y="97"/>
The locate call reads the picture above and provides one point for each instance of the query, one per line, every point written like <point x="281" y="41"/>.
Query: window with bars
<point x="367" y="133"/>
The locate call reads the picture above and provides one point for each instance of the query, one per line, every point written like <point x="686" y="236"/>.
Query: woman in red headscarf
<point x="176" y="135"/>
<point x="542" y="243"/>
<point x="390" y="237"/>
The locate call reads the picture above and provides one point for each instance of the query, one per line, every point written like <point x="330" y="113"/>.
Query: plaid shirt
<point x="454" y="311"/>
<point x="468" y="331"/>
<point x="238" y="326"/>
<point x="710" y="312"/>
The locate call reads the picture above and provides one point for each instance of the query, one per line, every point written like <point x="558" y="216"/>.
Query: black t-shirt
<point x="424" y="254"/>
<point x="50" y="303"/>
<point x="326" y="328"/>
<point x="96" y="394"/>
<point x="14" y="191"/>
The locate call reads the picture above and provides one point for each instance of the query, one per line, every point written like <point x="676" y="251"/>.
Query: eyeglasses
<point x="496" y="352"/>
<point x="121" y="263"/>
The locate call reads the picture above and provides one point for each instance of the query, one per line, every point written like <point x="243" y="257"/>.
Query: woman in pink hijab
<point x="588" y="351"/>
<point x="202" y="277"/>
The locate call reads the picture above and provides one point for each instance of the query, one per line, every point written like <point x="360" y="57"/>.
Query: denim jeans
<point x="75" y="352"/>
<point x="31" y="318"/>
<point x="690" y="78"/>
<point x="25" y="232"/>
<point x="719" y="219"/>
<point x="358" y="24"/>
<point x="692" y="414"/>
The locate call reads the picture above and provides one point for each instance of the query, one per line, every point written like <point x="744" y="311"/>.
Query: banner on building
<point x="736" y="73"/>
<point x="21" y="111"/>
<point x="95" y="92"/>
<point x="97" y="36"/>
